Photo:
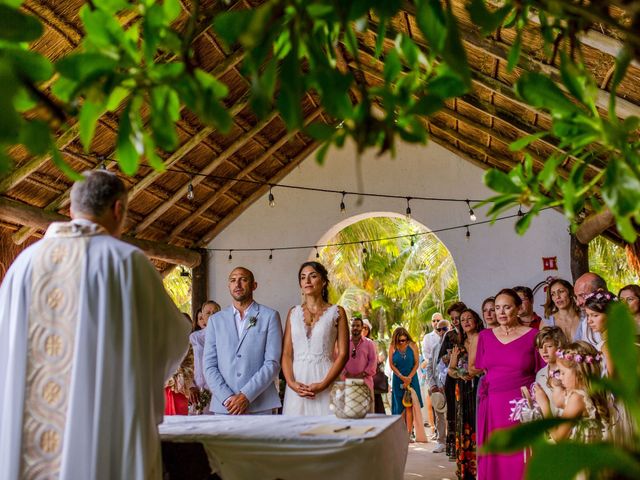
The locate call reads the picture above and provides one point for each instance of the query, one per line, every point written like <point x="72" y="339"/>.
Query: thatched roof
<point x="478" y="127"/>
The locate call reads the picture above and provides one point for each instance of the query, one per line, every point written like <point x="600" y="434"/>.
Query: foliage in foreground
<point x="292" y="47"/>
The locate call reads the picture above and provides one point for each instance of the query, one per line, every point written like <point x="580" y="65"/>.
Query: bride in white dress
<point x="316" y="344"/>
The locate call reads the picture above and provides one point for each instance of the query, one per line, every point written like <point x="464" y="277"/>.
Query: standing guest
<point x="363" y="359"/>
<point x="177" y="388"/>
<point x="451" y="339"/>
<point x="548" y="341"/>
<point x="586" y="284"/>
<point x="435" y="382"/>
<point x="112" y="338"/>
<point x="242" y="350"/>
<point x="489" y="313"/>
<point x="630" y="294"/>
<point x="508" y="355"/>
<point x="596" y="305"/>
<point x="561" y="310"/>
<point x="200" y="393"/>
<point x="527" y="316"/>
<point x="380" y="384"/>
<point x="366" y="328"/>
<point x="313" y="332"/>
<point x="461" y="367"/>
<point x="404" y="358"/>
<point x="578" y="363"/>
<point x="428" y="342"/>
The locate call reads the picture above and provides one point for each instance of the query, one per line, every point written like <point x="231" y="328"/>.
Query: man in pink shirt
<point x="363" y="358"/>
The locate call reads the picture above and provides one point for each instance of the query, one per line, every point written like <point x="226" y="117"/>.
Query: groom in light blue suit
<point x="243" y="345"/>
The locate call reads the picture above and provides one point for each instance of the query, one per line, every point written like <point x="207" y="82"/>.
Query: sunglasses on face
<point x="402" y="340"/>
<point x="442" y="329"/>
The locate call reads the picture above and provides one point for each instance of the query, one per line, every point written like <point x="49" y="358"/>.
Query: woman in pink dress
<point x="508" y="354"/>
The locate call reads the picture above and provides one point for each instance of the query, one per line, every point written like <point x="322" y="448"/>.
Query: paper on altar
<point x="333" y="429"/>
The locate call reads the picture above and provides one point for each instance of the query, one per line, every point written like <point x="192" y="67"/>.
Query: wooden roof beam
<point x="245" y="172"/>
<point x="237" y="211"/>
<point x="182" y="191"/>
<point x="37" y="218"/>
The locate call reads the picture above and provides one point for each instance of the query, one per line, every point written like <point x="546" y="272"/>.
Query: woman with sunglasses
<point x="403" y="359"/>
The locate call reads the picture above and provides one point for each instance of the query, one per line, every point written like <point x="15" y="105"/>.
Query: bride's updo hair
<point x="319" y="268"/>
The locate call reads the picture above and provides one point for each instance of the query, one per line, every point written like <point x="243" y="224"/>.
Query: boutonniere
<point x="252" y="322"/>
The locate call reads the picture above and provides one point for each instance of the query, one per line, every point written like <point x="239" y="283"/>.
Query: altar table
<point x="291" y="448"/>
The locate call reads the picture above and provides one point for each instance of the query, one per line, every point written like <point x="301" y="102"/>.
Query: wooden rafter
<point x="182" y="191"/>
<point x="246" y="171"/>
<point x="237" y="211"/>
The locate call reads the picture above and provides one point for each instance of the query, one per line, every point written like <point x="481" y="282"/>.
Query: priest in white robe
<point x="88" y="337"/>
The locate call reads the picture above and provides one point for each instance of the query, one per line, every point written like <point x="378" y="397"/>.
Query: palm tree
<point x="393" y="282"/>
<point x="178" y="286"/>
<point x="610" y="261"/>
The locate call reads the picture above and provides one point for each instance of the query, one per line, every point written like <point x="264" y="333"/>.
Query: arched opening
<point x="389" y="269"/>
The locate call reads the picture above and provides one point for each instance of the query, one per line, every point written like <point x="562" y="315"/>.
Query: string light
<point x="364" y="249"/>
<point x="270" y="255"/>
<point x="468" y="234"/>
<point x="272" y="199"/>
<point x="520" y="212"/>
<point x="472" y="215"/>
<point x="408" y="210"/>
<point x="317" y="253"/>
<point x="343" y="208"/>
<point x="230" y="257"/>
<point x="190" y="193"/>
<point x="412" y="241"/>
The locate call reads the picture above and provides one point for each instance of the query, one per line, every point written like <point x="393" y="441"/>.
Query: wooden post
<point x="199" y="282"/>
<point x="579" y="258"/>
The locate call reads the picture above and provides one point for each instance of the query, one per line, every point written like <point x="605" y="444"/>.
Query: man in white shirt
<point x="428" y="342"/>
<point x="435" y="382"/>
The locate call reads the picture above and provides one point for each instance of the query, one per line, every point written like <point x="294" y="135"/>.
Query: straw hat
<point x="439" y="402"/>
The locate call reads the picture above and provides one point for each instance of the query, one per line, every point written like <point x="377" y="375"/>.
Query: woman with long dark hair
<point x="313" y="332"/>
<point x="403" y="359"/>
<point x="561" y="310"/>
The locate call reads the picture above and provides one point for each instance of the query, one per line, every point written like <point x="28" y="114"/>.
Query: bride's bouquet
<point x="525" y="409"/>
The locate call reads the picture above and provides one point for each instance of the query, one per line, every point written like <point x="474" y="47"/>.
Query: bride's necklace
<point x="312" y="317"/>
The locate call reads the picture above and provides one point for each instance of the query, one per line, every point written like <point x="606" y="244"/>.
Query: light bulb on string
<point x="230" y="257"/>
<point x="270" y="255"/>
<point x="190" y="194"/>
<point x="520" y="212"/>
<point x="364" y="249"/>
<point x="408" y="210"/>
<point x="472" y="215"/>
<point x="272" y="199"/>
<point x="412" y="240"/>
<point x="468" y="234"/>
<point x="343" y="208"/>
<point x="317" y="253"/>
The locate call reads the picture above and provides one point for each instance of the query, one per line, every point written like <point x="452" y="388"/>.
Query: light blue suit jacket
<point x="249" y="364"/>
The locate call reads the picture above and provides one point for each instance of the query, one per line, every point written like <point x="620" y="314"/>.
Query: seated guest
<point x="200" y="393"/>
<point x="176" y="389"/>
<point x="435" y="383"/>
<point x="363" y="360"/>
<point x="548" y="341"/>
<point x="630" y="294"/>
<point x="561" y="310"/>
<point x="526" y="314"/>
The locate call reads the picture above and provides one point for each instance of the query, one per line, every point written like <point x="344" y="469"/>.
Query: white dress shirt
<point x="240" y="320"/>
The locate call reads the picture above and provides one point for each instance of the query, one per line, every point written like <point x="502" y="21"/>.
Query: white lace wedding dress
<point x="312" y="358"/>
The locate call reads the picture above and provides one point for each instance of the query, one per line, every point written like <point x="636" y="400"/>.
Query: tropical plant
<point x="398" y="281"/>
<point x="610" y="261"/>
<point x="178" y="286"/>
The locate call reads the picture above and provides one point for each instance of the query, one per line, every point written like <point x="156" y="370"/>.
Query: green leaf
<point x="577" y="457"/>
<point x="621" y="330"/>
<point x="290" y="98"/>
<point x="116" y="98"/>
<point x="112" y="6"/>
<point x="523" y="223"/>
<point x="5" y="162"/>
<point x="380" y="36"/>
<point x="432" y="23"/>
<point x="454" y="53"/>
<point x="36" y="136"/>
<point x="487" y="20"/>
<point x="539" y="91"/>
<point x="447" y="84"/>
<point x="211" y="83"/>
<point x="322" y="153"/>
<point x="320" y="131"/>
<point x="89" y="115"/>
<point x="165" y="111"/>
<point x="514" y="52"/>
<point x="152" y="157"/>
<point x="427" y="105"/>
<point x="9" y="118"/>
<point x="500" y="182"/>
<point x="525" y="141"/>
<point x="513" y="439"/>
<point x="127" y="151"/>
<point x="79" y="66"/>
<point x="392" y="66"/>
<point x="548" y="173"/>
<point x="30" y="65"/>
<point x="410" y="51"/>
<point x="15" y="26"/>
<point x="171" y="10"/>
<point x="64" y="167"/>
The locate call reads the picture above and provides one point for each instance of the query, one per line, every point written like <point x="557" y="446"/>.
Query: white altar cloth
<point x="274" y="446"/>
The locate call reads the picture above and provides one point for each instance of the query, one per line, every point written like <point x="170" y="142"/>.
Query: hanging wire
<point x="472" y="215"/>
<point x="408" y="210"/>
<point x="468" y="234"/>
<point x="343" y="208"/>
<point x="272" y="199"/>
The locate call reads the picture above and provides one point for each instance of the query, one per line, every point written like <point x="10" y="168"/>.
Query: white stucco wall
<point x="494" y="257"/>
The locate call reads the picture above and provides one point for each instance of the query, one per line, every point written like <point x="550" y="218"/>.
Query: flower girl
<point x="577" y="364"/>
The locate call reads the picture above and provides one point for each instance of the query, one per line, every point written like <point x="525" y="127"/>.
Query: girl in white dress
<point x="316" y="343"/>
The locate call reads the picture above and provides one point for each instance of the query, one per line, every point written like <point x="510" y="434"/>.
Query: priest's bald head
<point x="102" y="198"/>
